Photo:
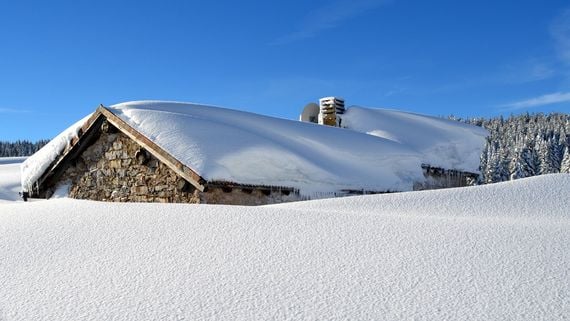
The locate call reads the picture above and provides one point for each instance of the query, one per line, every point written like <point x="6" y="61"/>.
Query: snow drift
<point x="10" y="178"/>
<point x="229" y="145"/>
<point x="496" y="252"/>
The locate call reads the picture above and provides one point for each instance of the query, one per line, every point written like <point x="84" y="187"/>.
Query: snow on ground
<point x="497" y="252"/>
<point x="230" y="145"/>
<point x="10" y="178"/>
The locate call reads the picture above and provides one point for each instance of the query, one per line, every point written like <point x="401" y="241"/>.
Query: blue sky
<point x="60" y="59"/>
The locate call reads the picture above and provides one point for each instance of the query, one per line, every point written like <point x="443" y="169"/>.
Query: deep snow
<point x="10" y="178"/>
<point x="229" y="145"/>
<point x="496" y="252"/>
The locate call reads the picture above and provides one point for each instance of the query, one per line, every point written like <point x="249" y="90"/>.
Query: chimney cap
<point x="331" y="98"/>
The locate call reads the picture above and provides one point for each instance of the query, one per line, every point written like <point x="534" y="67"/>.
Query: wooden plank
<point x="182" y="170"/>
<point x="221" y="184"/>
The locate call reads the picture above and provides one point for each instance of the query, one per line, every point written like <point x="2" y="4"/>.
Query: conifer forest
<point x="524" y="145"/>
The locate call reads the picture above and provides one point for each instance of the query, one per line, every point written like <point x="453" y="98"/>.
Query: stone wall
<point x="115" y="168"/>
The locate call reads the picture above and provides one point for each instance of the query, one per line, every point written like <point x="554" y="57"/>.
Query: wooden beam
<point x="77" y="144"/>
<point x="184" y="171"/>
<point x="88" y="137"/>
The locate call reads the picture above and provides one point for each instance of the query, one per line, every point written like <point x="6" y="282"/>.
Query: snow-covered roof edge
<point x="443" y="143"/>
<point x="50" y="156"/>
<point x="38" y="163"/>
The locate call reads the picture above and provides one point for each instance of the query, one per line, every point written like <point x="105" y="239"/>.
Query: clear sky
<point x="60" y="59"/>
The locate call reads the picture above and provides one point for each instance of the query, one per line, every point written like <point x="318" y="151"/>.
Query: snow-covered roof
<point x="383" y="152"/>
<point x="439" y="142"/>
<point x="35" y="166"/>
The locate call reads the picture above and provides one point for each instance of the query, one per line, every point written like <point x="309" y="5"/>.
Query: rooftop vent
<point x="326" y="113"/>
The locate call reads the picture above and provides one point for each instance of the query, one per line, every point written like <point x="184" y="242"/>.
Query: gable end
<point x="88" y="133"/>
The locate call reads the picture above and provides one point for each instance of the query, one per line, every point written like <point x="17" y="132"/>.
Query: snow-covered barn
<point x="152" y="151"/>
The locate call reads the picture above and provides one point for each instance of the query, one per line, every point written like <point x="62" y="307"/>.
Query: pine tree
<point x="524" y="145"/>
<point x="565" y="166"/>
<point x="530" y="161"/>
<point x="516" y="167"/>
<point x="20" y="148"/>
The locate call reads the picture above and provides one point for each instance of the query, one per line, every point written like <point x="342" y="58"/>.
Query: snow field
<point x="10" y="178"/>
<point x="496" y="252"/>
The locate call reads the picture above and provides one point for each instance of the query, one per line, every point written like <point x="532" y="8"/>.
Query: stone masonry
<point x="115" y="168"/>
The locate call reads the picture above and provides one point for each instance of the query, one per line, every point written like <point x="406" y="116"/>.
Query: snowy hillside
<point x="496" y="252"/>
<point x="229" y="145"/>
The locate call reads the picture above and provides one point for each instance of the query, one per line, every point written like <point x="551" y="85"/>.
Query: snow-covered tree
<point x="20" y="148"/>
<point x="565" y="166"/>
<point x="523" y="146"/>
<point x="516" y="167"/>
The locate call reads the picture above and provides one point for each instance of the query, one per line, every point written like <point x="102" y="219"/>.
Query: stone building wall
<point x="115" y="168"/>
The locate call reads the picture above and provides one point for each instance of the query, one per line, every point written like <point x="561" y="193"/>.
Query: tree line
<point x="20" y="147"/>
<point x="524" y="145"/>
